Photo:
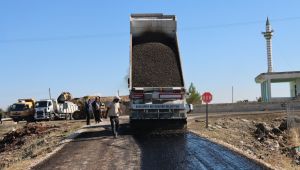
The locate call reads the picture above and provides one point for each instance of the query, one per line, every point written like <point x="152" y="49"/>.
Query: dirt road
<point x="97" y="149"/>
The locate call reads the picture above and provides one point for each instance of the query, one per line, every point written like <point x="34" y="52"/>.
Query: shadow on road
<point x="100" y="131"/>
<point x="187" y="151"/>
<point x="162" y="151"/>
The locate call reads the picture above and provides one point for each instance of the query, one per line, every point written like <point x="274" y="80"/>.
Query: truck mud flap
<point x="144" y="125"/>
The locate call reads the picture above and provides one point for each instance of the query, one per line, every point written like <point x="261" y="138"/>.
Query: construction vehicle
<point x="80" y="113"/>
<point x="162" y="102"/>
<point x="64" y="96"/>
<point x="22" y="110"/>
<point x="50" y="109"/>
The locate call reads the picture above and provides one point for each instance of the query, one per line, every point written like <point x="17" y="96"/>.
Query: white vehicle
<point x="51" y="109"/>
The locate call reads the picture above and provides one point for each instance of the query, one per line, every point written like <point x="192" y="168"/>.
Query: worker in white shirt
<point x="113" y="111"/>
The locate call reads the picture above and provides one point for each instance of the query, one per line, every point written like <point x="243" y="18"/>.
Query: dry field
<point x="262" y="136"/>
<point x="22" y="144"/>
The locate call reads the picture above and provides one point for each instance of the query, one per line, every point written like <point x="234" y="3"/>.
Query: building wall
<point x="292" y="88"/>
<point x="295" y="88"/>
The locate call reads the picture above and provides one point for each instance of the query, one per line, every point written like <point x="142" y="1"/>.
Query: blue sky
<point x="83" y="46"/>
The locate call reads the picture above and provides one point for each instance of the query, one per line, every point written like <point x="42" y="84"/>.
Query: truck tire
<point x="30" y="119"/>
<point x="77" y="115"/>
<point x="16" y="120"/>
<point x="51" y="116"/>
<point x="68" y="116"/>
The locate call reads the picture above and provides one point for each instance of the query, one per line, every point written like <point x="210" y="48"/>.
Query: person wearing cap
<point x="113" y="111"/>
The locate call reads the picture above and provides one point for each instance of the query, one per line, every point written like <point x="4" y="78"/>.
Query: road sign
<point x="207" y="97"/>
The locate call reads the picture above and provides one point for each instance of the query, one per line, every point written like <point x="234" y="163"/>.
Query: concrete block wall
<point x="245" y="107"/>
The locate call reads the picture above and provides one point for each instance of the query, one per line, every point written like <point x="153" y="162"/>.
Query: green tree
<point x="194" y="96"/>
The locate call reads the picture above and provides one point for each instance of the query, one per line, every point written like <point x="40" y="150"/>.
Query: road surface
<point x="97" y="149"/>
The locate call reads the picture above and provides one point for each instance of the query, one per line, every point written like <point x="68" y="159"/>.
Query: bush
<point x="194" y="96"/>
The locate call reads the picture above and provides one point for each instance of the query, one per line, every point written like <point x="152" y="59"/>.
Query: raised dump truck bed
<point x="156" y="83"/>
<point x="155" y="59"/>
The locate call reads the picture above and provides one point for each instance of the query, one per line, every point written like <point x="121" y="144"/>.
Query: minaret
<point x="268" y="36"/>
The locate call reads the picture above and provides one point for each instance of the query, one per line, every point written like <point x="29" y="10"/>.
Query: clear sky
<point x="82" y="46"/>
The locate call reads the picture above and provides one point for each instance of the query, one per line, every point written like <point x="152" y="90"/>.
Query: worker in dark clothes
<point x="97" y="109"/>
<point x="87" y="111"/>
<point x="0" y="117"/>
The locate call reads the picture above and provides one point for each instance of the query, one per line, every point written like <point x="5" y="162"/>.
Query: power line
<point x="63" y="38"/>
<point x="239" y="24"/>
<point x="118" y="34"/>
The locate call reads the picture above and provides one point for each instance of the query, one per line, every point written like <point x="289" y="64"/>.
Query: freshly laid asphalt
<point x="96" y="148"/>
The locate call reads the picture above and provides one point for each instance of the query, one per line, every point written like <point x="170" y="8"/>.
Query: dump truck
<point x="156" y="84"/>
<point x="22" y="110"/>
<point x="50" y="109"/>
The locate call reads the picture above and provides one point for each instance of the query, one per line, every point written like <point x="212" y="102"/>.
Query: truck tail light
<point x="137" y="96"/>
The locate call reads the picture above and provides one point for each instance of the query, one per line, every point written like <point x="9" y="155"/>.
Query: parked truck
<point x="22" y="110"/>
<point x="156" y="84"/>
<point x="50" y="109"/>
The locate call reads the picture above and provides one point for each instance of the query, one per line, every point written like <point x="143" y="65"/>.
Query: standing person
<point x="100" y="109"/>
<point x="113" y="111"/>
<point x="0" y="117"/>
<point x="91" y="110"/>
<point x="96" y="109"/>
<point x="87" y="111"/>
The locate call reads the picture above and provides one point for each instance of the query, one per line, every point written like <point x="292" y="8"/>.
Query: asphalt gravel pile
<point x="17" y="138"/>
<point x="278" y="138"/>
<point x="155" y="62"/>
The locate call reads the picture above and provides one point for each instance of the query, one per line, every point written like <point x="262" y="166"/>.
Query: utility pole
<point x="232" y="94"/>
<point x="50" y="93"/>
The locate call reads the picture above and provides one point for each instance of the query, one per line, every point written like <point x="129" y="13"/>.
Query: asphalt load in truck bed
<point x="155" y="64"/>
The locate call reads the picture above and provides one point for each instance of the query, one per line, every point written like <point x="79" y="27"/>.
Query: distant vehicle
<point x="156" y="84"/>
<point x="22" y="110"/>
<point x="51" y="109"/>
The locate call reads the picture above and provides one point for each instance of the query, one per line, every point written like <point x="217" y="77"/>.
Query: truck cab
<point x="44" y="109"/>
<point x="22" y="110"/>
